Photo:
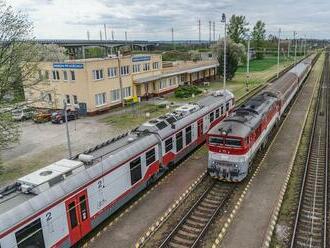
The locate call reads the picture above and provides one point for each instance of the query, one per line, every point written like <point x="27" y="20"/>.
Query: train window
<point x="233" y="142"/>
<point x="168" y="145"/>
<point x="150" y="156"/>
<point x="215" y="141"/>
<point x="227" y="106"/>
<point x="222" y="111"/>
<point x="83" y="208"/>
<point x="211" y="117"/>
<point x="135" y="167"/>
<point x="179" y="144"/>
<point x="73" y="215"/>
<point x="188" y="135"/>
<point x="217" y="113"/>
<point x="30" y="236"/>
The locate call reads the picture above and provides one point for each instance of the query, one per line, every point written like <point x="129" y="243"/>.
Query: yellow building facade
<point x="97" y="85"/>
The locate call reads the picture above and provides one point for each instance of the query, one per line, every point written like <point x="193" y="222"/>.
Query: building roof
<point x="187" y="67"/>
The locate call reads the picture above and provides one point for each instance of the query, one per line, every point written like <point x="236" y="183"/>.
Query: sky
<point x="154" y="19"/>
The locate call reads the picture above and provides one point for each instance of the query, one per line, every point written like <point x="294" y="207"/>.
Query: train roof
<point x="245" y="118"/>
<point x="16" y="206"/>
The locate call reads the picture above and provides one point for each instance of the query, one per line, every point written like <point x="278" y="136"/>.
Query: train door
<point x="78" y="216"/>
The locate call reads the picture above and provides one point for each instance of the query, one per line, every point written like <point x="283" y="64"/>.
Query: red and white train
<point x="234" y="142"/>
<point x="59" y="204"/>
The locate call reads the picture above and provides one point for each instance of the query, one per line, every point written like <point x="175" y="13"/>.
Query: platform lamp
<point x="223" y="20"/>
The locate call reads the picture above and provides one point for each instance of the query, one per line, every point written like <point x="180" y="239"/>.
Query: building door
<point x="138" y="90"/>
<point x="82" y="108"/>
<point x="78" y="216"/>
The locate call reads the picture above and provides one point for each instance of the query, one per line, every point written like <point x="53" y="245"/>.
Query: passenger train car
<point x="234" y="142"/>
<point x="59" y="204"/>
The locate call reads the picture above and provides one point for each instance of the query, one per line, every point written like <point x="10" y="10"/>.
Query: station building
<point x="99" y="84"/>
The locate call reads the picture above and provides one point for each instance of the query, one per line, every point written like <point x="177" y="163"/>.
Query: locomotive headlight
<point x="236" y="166"/>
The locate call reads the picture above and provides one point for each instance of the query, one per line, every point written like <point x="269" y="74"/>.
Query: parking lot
<point x="43" y="144"/>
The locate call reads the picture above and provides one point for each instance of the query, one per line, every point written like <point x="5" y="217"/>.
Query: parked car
<point x="59" y="117"/>
<point x="42" y="116"/>
<point x="23" y="113"/>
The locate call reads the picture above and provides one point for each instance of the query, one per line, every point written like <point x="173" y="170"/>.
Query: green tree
<point x="258" y="37"/>
<point x="235" y="55"/>
<point x="237" y="28"/>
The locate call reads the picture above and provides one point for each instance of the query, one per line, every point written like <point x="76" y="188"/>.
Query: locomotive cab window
<point x="168" y="145"/>
<point x="150" y="156"/>
<point x="233" y="142"/>
<point x="227" y="106"/>
<point x="216" y="141"/>
<point x="73" y="215"/>
<point x="179" y="140"/>
<point x="30" y="236"/>
<point x="222" y="110"/>
<point x="136" y="173"/>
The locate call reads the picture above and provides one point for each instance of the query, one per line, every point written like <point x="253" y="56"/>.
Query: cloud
<point x="153" y="20"/>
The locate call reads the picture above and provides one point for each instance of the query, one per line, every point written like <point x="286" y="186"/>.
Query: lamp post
<point x="248" y="64"/>
<point x="67" y="128"/>
<point x="295" y="47"/>
<point x="278" y="53"/>
<point x="223" y="20"/>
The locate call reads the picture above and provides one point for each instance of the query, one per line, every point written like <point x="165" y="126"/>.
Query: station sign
<point x="67" y="66"/>
<point x="141" y="58"/>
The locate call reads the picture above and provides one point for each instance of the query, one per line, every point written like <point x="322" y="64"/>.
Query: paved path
<point x="250" y="225"/>
<point x="128" y="229"/>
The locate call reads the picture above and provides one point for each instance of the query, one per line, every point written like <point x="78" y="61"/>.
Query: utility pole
<point x="113" y="35"/>
<point x="305" y="46"/>
<point x="289" y="44"/>
<point x="295" y="47"/>
<point x="248" y="65"/>
<point x="120" y="80"/>
<point x="210" y="28"/>
<point x="88" y="35"/>
<point x="126" y="36"/>
<point x="105" y="32"/>
<point x="100" y="35"/>
<point x="213" y="31"/>
<point x="199" y="30"/>
<point x="172" y="31"/>
<point x="224" y="51"/>
<point x="278" y="53"/>
<point x="67" y="128"/>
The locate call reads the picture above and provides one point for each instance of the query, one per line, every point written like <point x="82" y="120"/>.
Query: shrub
<point x="187" y="91"/>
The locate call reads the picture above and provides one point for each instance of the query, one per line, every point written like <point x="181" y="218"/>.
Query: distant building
<point x="95" y="85"/>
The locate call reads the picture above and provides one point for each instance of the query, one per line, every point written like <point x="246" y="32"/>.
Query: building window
<point x="75" y="99"/>
<point x="56" y="75"/>
<point x="211" y="117"/>
<point x="135" y="168"/>
<point x="155" y="65"/>
<point x="73" y="75"/>
<point x="188" y="135"/>
<point x="124" y="70"/>
<point x="112" y="72"/>
<point x="115" y="95"/>
<point x="162" y="84"/>
<point x="150" y="156"/>
<point x="146" y="67"/>
<point x="65" y="75"/>
<point x="168" y="145"/>
<point x="30" y="235"/>
<point x="49" y="97"/>
<point x="179" y="143"/>
<point x="126" y="92"/>
<point x="100" y="99"/>
<point x="67" y="98"/>
<point x="98" y="74"/>
<point x="136" y="68"/>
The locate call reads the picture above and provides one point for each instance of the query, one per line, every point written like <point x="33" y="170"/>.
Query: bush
<point x="187" y="91"/>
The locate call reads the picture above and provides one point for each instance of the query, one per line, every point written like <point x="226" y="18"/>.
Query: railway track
<point x="310" y="227"/>
<point x="195" y="222"/>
